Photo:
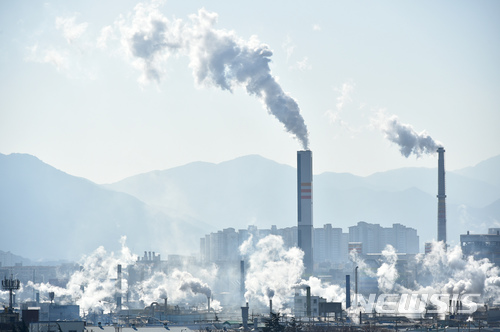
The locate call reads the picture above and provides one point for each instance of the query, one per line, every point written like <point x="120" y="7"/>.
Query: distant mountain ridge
<point x="255" y="190"/>
<point x="50" y="214"/>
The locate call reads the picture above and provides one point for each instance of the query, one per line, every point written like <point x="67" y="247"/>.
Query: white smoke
<point x="408" y="140"/>
<point x="94" y="286"/>
<point x="332" y="293"/>
<point x="217" y="57"/>
<point x="190" y="283"/>
<point x="177" y="286"/>
<point x="387" y="272"/>
<point x="273" y="271"/>
<point x="453" y="274"/>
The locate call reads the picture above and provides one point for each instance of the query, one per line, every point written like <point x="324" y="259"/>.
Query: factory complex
<point x="298" y="278"/>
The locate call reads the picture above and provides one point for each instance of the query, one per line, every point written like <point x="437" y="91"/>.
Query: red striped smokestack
<point x="305" y="207"/>
<point x="441" y="197"/>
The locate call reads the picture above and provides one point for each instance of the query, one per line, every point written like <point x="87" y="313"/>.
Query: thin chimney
<point x="441" y="197"/>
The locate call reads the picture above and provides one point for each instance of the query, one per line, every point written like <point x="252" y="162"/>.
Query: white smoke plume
<point x="178" y="286"/>
<point x="273" y="268"/>
<point x="190" y="283"/>
<point x="332" y="293"/>
<point x="273" y="271"/>
<point x="451" y="273"/>
<point x="94" y="286"/>
<point x="387" y="272"/>
<point x="217" y="57"/>
<point x="408" y="140"/>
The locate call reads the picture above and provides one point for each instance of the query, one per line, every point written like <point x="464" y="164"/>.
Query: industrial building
<point x="482" y="245"/>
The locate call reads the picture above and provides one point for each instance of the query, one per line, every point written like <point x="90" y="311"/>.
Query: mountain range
<point x="47" y="214"/>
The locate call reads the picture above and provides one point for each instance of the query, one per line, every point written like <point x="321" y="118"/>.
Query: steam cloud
<point x="273" y="271"/>
<point x="408" y="140"/>
<point x="440" y="272"/>
<point x="193" y="284"/>
<point x="387" y="273"/>
<point x="217" y="57"/>
<point x="93" y="287"/>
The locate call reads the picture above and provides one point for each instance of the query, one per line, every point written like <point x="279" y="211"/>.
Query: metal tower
<point x="10" y="285"/>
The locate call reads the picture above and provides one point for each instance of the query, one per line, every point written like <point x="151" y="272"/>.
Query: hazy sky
<point x="109" y="89"/>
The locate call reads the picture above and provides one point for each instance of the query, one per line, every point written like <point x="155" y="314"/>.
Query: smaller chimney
<point x="242" y="279"/>
<point x="308" y="300"/>
<point x="270" y="307"/>
<point x="347" y="291"/>
<point x="244" y="317"/>
<point x="119" y="287"/>
<point x="208" y="298"/>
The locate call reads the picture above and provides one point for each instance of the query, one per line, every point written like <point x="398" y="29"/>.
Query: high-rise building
<point x="305" y="207"/>
<point x="330" y="245"/>
<point x="375" y="238"/>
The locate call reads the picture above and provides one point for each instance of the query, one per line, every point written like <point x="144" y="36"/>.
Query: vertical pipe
<point x="356" y="287"/>
<point x="242" y="279"/>
<point x="347" y="291"/>
<point x="308" y="301"/>
<point x="119" y="287"/>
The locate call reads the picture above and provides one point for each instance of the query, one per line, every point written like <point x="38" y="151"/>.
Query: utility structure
<point x="305" y="207"/>
<point x="441" y="235"/>
<point x="119" y="288"/>
<point x="10" y="285"/>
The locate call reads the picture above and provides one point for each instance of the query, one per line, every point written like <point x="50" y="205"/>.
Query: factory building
<point x="482" y="245"/>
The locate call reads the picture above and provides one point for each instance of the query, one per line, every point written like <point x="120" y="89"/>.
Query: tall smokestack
<point x="304" y="197"/>
<point x="441" y="198"/>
